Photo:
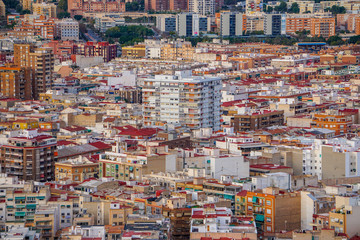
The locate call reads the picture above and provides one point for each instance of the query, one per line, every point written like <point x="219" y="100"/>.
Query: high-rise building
<point x="17" y="82"/>
<point x="30" y="156"/>
<point x="157" y="5"/>
<point x="39" y="59"/>
<point x="202" y="7"/>
<point x="232" y="24"/>
<point x="192" y="101"/>
<point x="273" y="24"/>
<point x="166" y="23"/>
<point x="178" y="5"/>
<point x="191" y="24"/>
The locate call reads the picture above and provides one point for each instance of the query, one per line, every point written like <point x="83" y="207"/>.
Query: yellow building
<point x="118" y="214"/>
<point x="46" y="220"/>
<point x="76" y="170"/>
<point x="137" y="51"/>
<point x="25" y="124"/>
<point x="2" y="9"/>
<point x="44" y="9"/>
<point x="173" y="51"/>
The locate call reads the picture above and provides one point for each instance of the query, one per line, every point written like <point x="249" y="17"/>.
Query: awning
<point x="20" y="214"/>
<point x="20" y="206"/>
<point x="31" y="206"/>
<point x="259" y="218"/>
<point x="40" y="197"/>
<point x="254" y="200"/>
<point x="19" y="198"/>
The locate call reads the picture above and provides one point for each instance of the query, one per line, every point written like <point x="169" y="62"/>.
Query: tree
<point x="63" y="5"/>
<point x="294" y="8"/>
<point x="78" y="17"/>
<point x="335" y="40"/>
<point x="354" y="39"/>
<point x="63" y="15"/>
<point x="269" y="9"/>
<point x="282" y="7"/>
<point x="336" y="9"/>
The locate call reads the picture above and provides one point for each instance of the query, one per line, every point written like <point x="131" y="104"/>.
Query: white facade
<point x="193" y="101"/>
<point x="67" y="29"/>
<point x="203" y="7"/>
<point x="233" y="165"/>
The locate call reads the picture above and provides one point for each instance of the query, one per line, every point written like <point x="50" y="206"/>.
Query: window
<point x="268" y="220"/>
<point x="114" y="216"/>
<point x="268" y="211"/>
<point x="268" y="202"/>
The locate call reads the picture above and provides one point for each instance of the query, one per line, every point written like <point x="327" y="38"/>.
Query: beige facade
<point x="44" y="9"/>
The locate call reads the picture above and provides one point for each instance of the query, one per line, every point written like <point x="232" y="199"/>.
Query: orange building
<point x="294" y="25"/>
<point x="335" y="120"/>
<point x="17" y="82"/>
<point x="44" y="27"/>
<point x="273" y="210"/>
<point x="357" y="25"/>
<point x="322" y="27"/>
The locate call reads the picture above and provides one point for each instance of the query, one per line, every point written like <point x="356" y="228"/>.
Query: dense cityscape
<point x="179" y="119"/>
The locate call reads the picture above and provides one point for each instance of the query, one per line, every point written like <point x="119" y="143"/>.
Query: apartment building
<point x="274" y="210"/>
<point x="30" y="156"/>
<point x="257" y="120"/>
<point x="297" y="23"/>
<point x="39" y="59"/>
<point x="77" y="170"/>
<point x="44" y="27"/>
<point x="103" y="49"/>
<point x="21" y="204"/>
<point x="322" y="27"/>
<point x="67" y="29"/>
<point x="46" y="219"/>
<point x="344" y="218"/>
<point x="193" y="101"/>
<point x="335" y="120"/>
<point x="17" y="82"/>
<point x="44" y="9"/>
<point x="132" y="166"/>
<point x="192" y="24"/>
<point x="177" y="50"/>
<point x="219" y="222"/>
<point x="202" y="7"/>
<point x="137" y="51"/>
<point x="79" y="7"/>
<point x="232" y="24"/>
<point x="274" y="24"/>
<point x="255" y="22"/>
<point x="166" y="23"/>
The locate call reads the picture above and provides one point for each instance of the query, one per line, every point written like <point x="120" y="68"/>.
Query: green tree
<point x="269" y="9"/>
<point x="336" y="9"/>
<point x="282" y="7"/>
<point x="335" y="41"/>
<point x="78" y="17"/>
<point x="63" y="15"/>
<point x="354" y="39"/>
<point x="63" y="5"/>
<point x="294" y="8"/>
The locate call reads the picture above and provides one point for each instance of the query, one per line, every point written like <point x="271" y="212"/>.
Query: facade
<point x="182" y="99"/>
<point x="297" y="23"/>
<point x="322" y="27"/>
<point x="232" y="24"/>
<point x="17" y="82"/>
<point x="191" y="24"/>
<point x="79" y="7"/>
<point x="273" y="210"/>
<point x="338" y="121"/>
<point x="77" y="170"/>
<point x="137" y="51"/>
<point x="44" y="27"/>
<point x="273" y="24"/>
<point x="103" y="49"/>
<point x="41" y="60"/>
<point x="166" y="23"/>
<point x="254" y="121"/>
<point x="202" y="7"/>
<point x="67" y="30"/>
<point x="44" y="9"/>
<point x="218" y="222"/>
<point x="30" y="156"/>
